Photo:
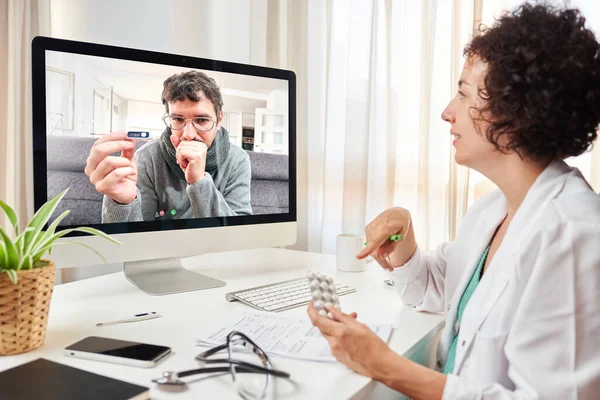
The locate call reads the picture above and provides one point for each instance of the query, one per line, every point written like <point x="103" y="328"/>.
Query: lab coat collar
<point x="546" y="187"/>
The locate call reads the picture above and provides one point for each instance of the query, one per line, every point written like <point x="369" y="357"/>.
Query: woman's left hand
<point x="352" y="343"/>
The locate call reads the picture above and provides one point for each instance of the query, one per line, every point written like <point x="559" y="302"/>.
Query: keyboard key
<point x="282" y="296"/>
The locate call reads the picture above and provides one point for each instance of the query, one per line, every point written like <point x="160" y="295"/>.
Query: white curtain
<point x="378" y="75"/>
<point x="20" y="21"/>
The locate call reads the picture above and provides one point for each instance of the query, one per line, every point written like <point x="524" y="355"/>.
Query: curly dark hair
<point x="193" y="85"/>
<point x="542" y="87"/>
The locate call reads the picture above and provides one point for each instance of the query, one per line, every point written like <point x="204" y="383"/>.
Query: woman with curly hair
<point x="519" y="285"/>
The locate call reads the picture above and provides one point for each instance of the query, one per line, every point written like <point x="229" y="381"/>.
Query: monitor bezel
<point x="39" y="47"/>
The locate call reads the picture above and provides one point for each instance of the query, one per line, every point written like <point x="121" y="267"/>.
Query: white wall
<point x="119" y="119"/>
<point x="142" y="82"/>
<point x="84" y="85"/>
<point x="144" y="24"/>
<point x="143" y="115"/>
<point x="230" y="30"/>
<point x="278" y="99"/>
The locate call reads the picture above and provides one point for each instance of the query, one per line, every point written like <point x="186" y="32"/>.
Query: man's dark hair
<point x="193" y="85"/>
<point x="543" y="82"/>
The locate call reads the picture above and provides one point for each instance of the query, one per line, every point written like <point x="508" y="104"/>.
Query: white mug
<point x="348" y="246"/>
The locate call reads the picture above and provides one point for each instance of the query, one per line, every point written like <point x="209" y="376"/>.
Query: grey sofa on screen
<point x="269" y="183"/>
<point x="67" y="156"/>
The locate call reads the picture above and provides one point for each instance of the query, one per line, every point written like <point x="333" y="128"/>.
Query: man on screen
<point x="190" y="172"/>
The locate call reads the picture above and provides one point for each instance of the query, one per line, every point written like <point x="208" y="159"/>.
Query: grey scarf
<point x="216" y="155"/>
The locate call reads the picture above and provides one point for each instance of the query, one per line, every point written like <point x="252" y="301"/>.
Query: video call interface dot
<point x="323" y="292"/>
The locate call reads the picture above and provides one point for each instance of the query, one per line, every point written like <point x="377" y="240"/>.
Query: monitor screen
<point x="149" y="141"/>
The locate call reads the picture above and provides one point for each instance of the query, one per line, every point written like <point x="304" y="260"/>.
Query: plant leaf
<point x="3" y="260"/>
<point x="95" y="232"/>
<point x="11" y="253"/>
<point x="86" y="246"/>
<point x="43" y="251"/>
<point x="26" y="262"/>
<point x="20" y="240"/>
<point x="12" y="216"/>
<point x="40" y="219"/>
<point x="12" y="275"/>
<point x="47" y="243"/>
<point x="50" y="231"/>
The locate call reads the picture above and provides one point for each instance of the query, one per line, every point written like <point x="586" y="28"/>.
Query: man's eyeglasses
<point x="201" y="124"/>
<point x="250" y="380"/>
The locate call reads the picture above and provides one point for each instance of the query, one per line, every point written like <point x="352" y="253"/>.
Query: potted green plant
<point x="26" y="279"/>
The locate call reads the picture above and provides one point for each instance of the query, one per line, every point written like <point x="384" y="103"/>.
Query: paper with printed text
<point x="278" y="334"/>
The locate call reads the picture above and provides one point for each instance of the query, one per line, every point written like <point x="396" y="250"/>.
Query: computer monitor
<point x="216" y="173"/>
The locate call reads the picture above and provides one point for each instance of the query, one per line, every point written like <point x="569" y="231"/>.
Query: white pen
<point x="135" y="318"/>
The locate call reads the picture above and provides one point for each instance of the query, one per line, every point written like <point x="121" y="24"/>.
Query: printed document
<point x="278" y="334"/>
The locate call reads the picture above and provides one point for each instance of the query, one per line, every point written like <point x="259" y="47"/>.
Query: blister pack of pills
<point x="323" y="293"/>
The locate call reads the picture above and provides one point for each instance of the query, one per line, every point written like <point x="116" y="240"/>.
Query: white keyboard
<point x="280" y="296"/>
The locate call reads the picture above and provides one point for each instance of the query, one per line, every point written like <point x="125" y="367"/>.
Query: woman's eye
<point x="177" y="119"/>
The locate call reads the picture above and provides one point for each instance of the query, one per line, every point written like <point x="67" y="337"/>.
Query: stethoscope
<point x="172" y="378"/>
<point x="169" y="378"/>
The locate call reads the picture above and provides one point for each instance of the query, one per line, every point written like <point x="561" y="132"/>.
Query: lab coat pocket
<point x="489" y="360"/>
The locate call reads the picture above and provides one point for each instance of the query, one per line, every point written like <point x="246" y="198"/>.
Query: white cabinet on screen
<point x="233" y="123"/>
<point x="271" y="130"/>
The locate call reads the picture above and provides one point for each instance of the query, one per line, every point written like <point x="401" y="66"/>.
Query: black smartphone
<point x="118" y="351"/>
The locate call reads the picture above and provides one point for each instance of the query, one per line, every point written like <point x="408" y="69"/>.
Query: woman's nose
<point x="448" y="115"/>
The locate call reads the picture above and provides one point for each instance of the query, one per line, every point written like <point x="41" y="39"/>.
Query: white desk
<point x="76" y="308"/>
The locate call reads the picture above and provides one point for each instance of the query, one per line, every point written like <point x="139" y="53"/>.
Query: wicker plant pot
<point x="24" y="309"/>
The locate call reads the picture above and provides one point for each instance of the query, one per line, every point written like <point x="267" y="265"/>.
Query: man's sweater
<point x="224" y="193"/>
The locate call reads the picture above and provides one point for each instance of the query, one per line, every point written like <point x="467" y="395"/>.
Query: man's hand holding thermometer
<point x="390" y="238"/>
<point x="113" y="176"/>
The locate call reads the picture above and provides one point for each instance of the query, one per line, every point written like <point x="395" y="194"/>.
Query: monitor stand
<point x="166" y="276"/>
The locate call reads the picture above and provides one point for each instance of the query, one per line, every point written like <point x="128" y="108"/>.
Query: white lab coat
<point x="532" y="327"/>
